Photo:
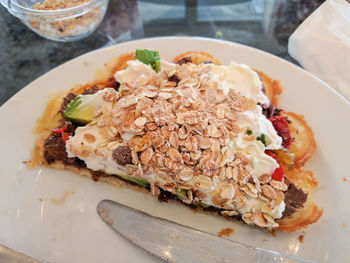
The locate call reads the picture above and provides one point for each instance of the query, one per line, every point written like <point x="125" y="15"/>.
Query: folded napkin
<point x="321" y="44"/>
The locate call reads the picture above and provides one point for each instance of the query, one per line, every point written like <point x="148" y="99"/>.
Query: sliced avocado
<point x="201" y="204"/>
<point x="149" y="57"/>
<point x="139" y="181"/>
<point x="181" y="193"/>
<point x="79" y="112"/>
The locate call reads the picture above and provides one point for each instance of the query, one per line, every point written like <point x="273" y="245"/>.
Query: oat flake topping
<point x="186" y="134"/>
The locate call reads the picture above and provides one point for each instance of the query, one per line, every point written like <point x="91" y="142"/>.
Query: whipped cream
<point x="96" y="160"/>
<point x="240" y="78"/>
<point x="255" y="121"/>
<point x="137" y="73"/>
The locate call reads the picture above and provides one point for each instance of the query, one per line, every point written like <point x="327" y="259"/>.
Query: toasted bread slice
<point x="197" y="57"/>
<point x="309" y="213"/>
<point x="272" y="87"/>
<point x="303" y="147"/>
<point x="303" y="141"/>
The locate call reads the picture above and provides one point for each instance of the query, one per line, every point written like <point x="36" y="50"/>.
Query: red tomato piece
<point x="65" y="136"/>
<point x="281" y="126"/>
<point x="60" y="130"/>
<point x="278" y="173"/>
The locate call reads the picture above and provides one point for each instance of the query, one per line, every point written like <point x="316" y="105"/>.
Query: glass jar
<point x="59" y="20"/>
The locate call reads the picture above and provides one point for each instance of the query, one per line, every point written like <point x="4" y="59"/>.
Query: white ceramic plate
<point x="51" y="214"/>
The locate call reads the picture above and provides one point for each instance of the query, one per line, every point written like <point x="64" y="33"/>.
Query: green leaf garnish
<point x="261" y="138"/>
<point x="249" y="132"/>
<point x="149" y="57"/>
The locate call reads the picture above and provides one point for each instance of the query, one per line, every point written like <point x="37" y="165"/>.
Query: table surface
<point x="264" y="24"/>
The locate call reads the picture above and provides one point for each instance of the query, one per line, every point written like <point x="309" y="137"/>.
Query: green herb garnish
<point x="149" y="57"/>
<point x="261" y="138"/>
<point x="249" y="132"/>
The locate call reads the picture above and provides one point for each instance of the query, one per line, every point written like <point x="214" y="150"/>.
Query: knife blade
<point x="177" y="243"/>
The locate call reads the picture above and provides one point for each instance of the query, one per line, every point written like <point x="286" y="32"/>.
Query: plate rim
<point x="100" y="51"/>
<point x="227" y="42"/>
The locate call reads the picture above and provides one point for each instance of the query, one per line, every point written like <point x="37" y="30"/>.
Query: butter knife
<point x="177" y="243"/>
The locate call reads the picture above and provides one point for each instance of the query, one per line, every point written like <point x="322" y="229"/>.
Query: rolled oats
<point x="195" y="155"/>
<point x="164" y="148"/>
<point x="174" y="140"/>
<point x="189" y="198"/>
<point x="140" y="122"/>
<point x="183" y="132"/>
<point x="269" y="219"/>
<point x="262" y="198"/>
<point x="110" y="95"/>
<point x="138" y="143"/>
<point x="279" y="197"/>
<point x="146" y="155"/>
<point x="268" y="191"/>
<point x="228" y="192"/>
<point x="186" y="158"/>
<point x="247" y="218"/>
<point x="151" y="126"/>
<point x="165" y="95"/>
<point x="222" y="173"/>
<point x="264" y="178"/>
<point x="172" y="165"/>
<point x="164" y="131"/>
<point x="213" y="131"/>
<point x="215" y="146"/>
<point x="186" y="174"/>
<point x="203" y="182"/>
<point x="157" y="140"/>
<point x="190" y="143"/>
<point x="259" y="220"/>
<point x="205" y="143"/>
<point x="135" y="158"/>
<point x="249" y="192"/>
<point x="229" y="172"/>
<point x="278" y="185"/>
<point x="154" y="189"/>
<point x="229" y="155"/>
<point x="174" y="155"/>
<point x="126" y="101"/>
<point x="159" y="159"/>
<point x="252" y="188"/>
